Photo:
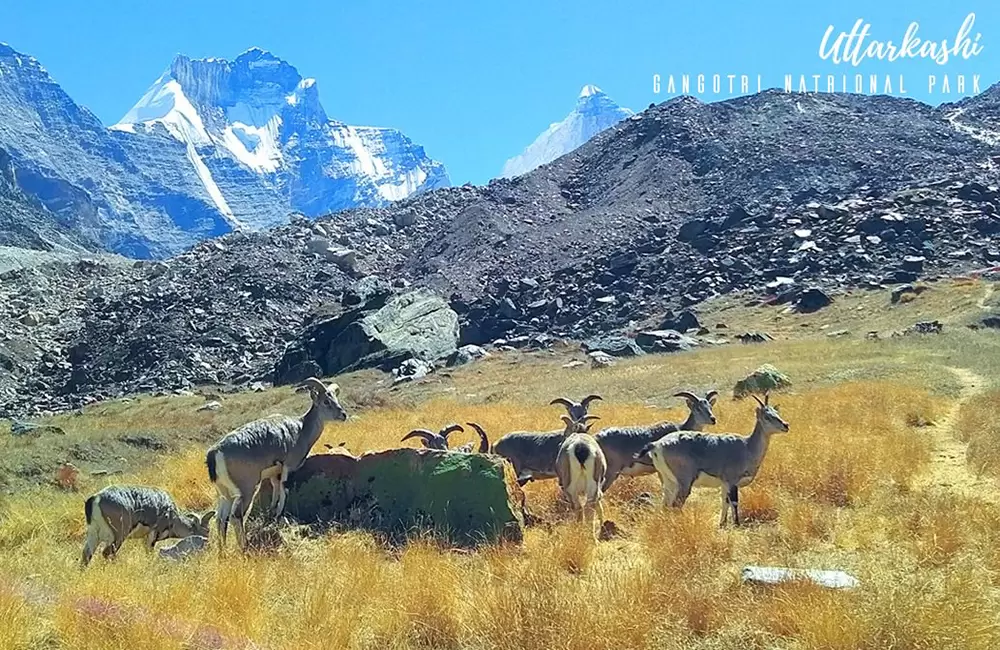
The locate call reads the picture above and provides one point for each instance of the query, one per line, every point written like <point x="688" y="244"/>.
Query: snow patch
<point x="588" y="90"/>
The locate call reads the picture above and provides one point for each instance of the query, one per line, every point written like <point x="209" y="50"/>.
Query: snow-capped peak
<point x="593" y="113"/>
<point x="255" y="120"/>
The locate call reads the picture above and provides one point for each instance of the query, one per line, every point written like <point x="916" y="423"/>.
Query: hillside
<point x="887" y="473"/>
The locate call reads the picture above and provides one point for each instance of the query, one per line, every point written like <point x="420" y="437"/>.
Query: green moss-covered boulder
<point x="765" y="379"/>
<point x="466" y="499"/>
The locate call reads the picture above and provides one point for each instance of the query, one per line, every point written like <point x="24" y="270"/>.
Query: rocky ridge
<point x="773" y="194"/>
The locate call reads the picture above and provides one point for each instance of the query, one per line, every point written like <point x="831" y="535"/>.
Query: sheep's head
<point x="701" y="408"/>
<point x="433" y="440"/>
<point x="189" y="524"/>
<point x="324" y="398"/>
<point x="581" y="426"/>
<point x="576" y="410"/>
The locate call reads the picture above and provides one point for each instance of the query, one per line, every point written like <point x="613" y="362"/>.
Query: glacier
<point x="594" y="112"/>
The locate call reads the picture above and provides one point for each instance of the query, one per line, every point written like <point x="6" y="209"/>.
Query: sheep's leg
<point x="683" y="492"/>
<point x="223" y="508"/>
<point x="614" y="469"/>
<point x="724" y="515"/>
<point x="151" y="540"/>
<point x="238" y="514"/>
<point x="282" y="491"/>
<point x="734" y="502"/>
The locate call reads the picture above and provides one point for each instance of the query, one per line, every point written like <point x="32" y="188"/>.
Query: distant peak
<point x="588" y="90"/>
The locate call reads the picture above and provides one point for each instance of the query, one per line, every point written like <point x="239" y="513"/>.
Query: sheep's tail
<point x="582" y="453"/>
<point x="643" y="457"/>
<point x="88" y="508"/>
<point x="210" y="463"/>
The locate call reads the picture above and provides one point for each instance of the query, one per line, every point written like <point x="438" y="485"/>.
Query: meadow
<point x="888" y="472"/>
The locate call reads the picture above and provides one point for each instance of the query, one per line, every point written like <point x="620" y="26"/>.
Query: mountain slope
<point x="262" y="145"/>
<point x="101" y="184"/>
<point x="594" y="112"/>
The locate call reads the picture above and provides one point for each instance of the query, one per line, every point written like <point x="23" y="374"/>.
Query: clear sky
<point x="476" y="81"/>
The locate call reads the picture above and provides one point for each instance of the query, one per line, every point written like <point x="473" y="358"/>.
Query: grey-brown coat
<point x="121" y="511"/>
<point x="533" y="454"/>
<point x="730" y="461"/>
<point x="622" y="444"/>
<point x="266" y="449"/>
<point x="580" y="468"/>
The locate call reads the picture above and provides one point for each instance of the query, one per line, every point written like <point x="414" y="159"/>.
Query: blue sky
<point x="475" y="82"/>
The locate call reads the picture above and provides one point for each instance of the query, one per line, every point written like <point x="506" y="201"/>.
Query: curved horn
<point x="591" y="398"/>
<point x="566" y="419"/>
<point x="568" y="403"/>
<point x="711" y="395"/>
<point x="312" y="384"/>
<point x="448" y="429"/>
<point x="423" y="434"/>
<point x="767" y="397"/>
<point x="758" y="399"/>
<point x="588" y="417"/>
<point x="686" y="395"/>
<point x="484" y="442"/>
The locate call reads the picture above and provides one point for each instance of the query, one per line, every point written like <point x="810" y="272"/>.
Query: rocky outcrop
<point x="382" y="334"/>
<point x="466" y="499"/>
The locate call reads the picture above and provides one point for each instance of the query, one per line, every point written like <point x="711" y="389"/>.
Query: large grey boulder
<point x="414" y="325"/>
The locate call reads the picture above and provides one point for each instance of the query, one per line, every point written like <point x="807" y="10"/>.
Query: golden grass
<point x="837" y="491"/>
<point x="978" y="423"/>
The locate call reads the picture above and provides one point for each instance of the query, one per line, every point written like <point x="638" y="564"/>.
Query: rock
<point x="754" y="337"/>
<point x="31" y="319"/>
<point x="465" y="499"/>
<point x="831" y="212"/>
<point x="764" y="379"/>
<point x="575" y="363"/>
<point x="185" y="548"/>
<point x="368" y="290"/>
<point x="416" y="325"/>
<point x="600" y="359"/>
<point x="926" y="327"/>
<point x="914" y="263"/>
<point x="410" y="370"/>
<point x="897" y="293"/>
<point x="210" y="406"/>
<point x="682" y="322"/>
<point x="691" y="230"/>
<point x="992" y="322"/>
<point x="21" y="428"/>
<point x="615" y="345"/>
<point x="664" y="341"/>
<point x="812" y="299"/>
<point x="760" y="575"/>
<point x="466" y="354"/>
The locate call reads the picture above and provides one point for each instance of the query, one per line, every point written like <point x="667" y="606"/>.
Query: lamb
<point x="580" y="467"/>
<point x="119" y="512"/>
<point x="269" y="448"/>
<point x="685" y="459"/>
<point x="533" y="455"/>
<point x="621" y="444"/>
